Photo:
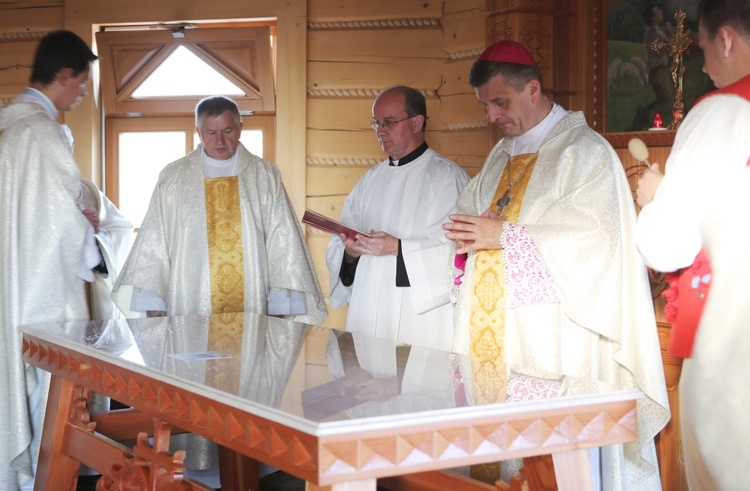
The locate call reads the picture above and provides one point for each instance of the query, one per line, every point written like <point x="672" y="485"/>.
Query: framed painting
<point x="634" y="83"/>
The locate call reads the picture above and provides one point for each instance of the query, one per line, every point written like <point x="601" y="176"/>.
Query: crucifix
<point x="677" y="45"/>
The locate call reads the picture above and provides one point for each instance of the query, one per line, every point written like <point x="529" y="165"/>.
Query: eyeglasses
<point x="386" y="124"/>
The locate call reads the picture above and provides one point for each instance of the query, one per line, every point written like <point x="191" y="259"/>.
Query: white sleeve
<point x="144" y="300"/>
<point x="710" y="147"/>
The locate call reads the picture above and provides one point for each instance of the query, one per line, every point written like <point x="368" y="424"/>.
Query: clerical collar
<point x="414" y="155"/>
<point x="219" y="168"/>
<point x="530" y="141"/>
<point x="32" y="95"/>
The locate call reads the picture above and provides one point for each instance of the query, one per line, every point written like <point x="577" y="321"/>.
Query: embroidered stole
<point x="487" y="321"/>
<point x="225" y="256"/>
<point x="224" y="336"/>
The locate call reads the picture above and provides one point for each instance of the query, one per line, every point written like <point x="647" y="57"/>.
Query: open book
<point x="322" y="222"/>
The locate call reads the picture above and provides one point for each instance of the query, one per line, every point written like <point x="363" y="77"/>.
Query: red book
<point x="322" y="222"/>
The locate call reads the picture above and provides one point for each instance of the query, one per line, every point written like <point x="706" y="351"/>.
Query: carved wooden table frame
<point x="335" y="457"/>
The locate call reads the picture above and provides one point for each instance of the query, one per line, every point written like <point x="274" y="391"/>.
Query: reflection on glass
<point x="256" y="359"/>
<point x="243" y="354"/>
<point x="112" y="338"/>
<point x="376" y="377"/>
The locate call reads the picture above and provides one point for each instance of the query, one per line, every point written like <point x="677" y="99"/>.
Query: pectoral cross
<point x="677" y="45"/>
<point x="503" y="202"/>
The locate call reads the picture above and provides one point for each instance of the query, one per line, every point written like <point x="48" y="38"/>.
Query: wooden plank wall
<point x="355" y="50"/>
<point x="22" y="24"/>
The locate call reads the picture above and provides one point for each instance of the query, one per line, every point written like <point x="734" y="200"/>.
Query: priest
<point x="695" y="213"/>
<point x="47" y="244"/>
<point x="554" y="300"/>
<point x="219" y="236"/>
<point x="395" y="278"/>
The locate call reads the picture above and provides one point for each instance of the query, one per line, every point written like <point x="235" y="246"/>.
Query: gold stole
<point x="225" y="257"/>
<point x="224" y="336"/>
<point x="487" y="321"/>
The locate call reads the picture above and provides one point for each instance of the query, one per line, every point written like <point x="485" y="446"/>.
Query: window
<point x="140" y="148"/>
<point x="237" y="62"/>
<point x="151" y="82"/>
<point x="168" y="80"/>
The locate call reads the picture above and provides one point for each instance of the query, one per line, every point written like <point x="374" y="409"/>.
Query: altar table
<point x="335" y="409"/>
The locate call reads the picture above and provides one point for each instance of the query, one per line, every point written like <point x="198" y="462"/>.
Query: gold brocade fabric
<point x="487" y="321"/>
<point x="225" y="333"/>
<point x="224" y="227"/>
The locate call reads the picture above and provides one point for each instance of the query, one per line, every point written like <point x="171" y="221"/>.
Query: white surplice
<point x="713" y="385"/>
<point x="113" y="240"/>
<point x="43" y="242"/>
<point x="409" y="202"/>
<point x="704" y="200"/>
<point x="668" y="232"/>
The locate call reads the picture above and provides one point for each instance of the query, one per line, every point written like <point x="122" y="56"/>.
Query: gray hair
<point x="213" y="106"/>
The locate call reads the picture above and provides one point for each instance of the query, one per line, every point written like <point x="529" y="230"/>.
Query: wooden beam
<point x="464" y="31"/>
<point x="21" y="19"/>
<point x="323" y="75"/>
<point x="424" y="45"/>
<point x="344" y="145"/>
<point x="357" y="10"/>
<point x="291" y="107"/>
<point x="140" y="11"/>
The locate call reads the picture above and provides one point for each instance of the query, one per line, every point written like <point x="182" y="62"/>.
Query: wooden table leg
<point x="56" y="470"/>
<point x="572" y="470"/>
<point x="237" y="472"/>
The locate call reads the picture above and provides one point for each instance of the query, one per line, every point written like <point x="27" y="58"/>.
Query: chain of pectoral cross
<point x="505" y="199"/>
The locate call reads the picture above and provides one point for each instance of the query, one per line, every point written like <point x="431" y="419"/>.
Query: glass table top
<point x="317" y="380"/>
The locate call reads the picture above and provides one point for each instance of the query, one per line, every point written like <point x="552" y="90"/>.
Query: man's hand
<point x="473" y="233"/>
<point x="93" y="217"/>
<point x="377" y="389"/>
<point x="377" y="244"/>
<point x="368" y="388"/>
<point x="647" y="185"/>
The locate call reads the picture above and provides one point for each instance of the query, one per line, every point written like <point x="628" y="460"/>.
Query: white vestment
<point x="409" y="202"/>
<point x="699" y="165"/>
<point x="170" y="254"/>
<point x="113" y="240"/>
<point x="594" y="330"/>
<point x="43" y="242"/>
<point x="713" y="385"/>
<point x="704" y="199"/>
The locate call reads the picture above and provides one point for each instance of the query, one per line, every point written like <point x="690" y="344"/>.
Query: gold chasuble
<point x="488" y="299"/>
<point x="225" y="259"/>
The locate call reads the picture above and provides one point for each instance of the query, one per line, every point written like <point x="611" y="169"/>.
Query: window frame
<point x="114" y="126"/>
